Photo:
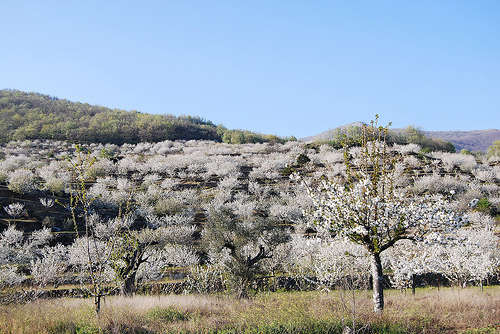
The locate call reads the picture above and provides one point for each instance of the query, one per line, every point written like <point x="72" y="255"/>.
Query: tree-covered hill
<point x="37" y="116"/>
<point x="474" y="141"/>
<point x="352" y="134"/>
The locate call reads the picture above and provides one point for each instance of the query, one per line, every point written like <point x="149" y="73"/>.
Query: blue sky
<point x="275" y="67"/>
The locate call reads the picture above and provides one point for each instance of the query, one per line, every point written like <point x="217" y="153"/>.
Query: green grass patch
<point x="167" y="314"/>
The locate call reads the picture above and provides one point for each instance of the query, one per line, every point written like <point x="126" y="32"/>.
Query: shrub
<point x="22" y="181"/>
<point x="56" y="185"/>
<point x="9" y="276"/>
<point x="47" y="202"/>
<point x="483" y="205"/>
<point x="494" y="149"/>
<point x="3" y="176"/>
<point x="168" y="206"/>
<point x="484" y="174"/>
<point x="15" y="210"/>
<point x="49" y="221"/>
<point x="302" y="159"/>
<point x="287" y="171"/>
<point x="100" y="168"/>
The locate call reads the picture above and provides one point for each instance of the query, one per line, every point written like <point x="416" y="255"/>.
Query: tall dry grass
<point x="453" y="309"/>
<point x="429" y="311"/>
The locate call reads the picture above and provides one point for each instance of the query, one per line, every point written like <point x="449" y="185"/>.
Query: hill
<point x="477" y="140"/>
<point x="352" y="135"/>
<point x="474" y="141"/>
<point x="330" y="134"/>
<point x="37" y="116"/>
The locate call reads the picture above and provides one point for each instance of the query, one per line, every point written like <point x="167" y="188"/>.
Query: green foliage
<point x="3" y="177"/>
<point x="168" y="314"/>
<point x="302" y="159"/>
<point x="56" y="185"/>
<point x="321" y="327"/>
<point x="312" y="327"/>
<point x="486" y="330"/>
<point x="87" y="329"/>
<point x="412" y="135"/>
<point x="168" y="206"/>
<point x="49" y="221"/>
<point x="288" y="170"/>
<point x="106" y="153"/>
<point x="484" y="205"/>
<point x="494" y="149"/>
<point x="425" y="150"/>
<point x="37" y="116"/>
<point x="352" y="136"/>
<point x="245" y="136"/>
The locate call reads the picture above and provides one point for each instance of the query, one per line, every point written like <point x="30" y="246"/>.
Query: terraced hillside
<point x="171" y="189"/>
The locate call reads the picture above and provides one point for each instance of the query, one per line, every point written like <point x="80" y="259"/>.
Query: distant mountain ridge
<point x="474" y="141"/>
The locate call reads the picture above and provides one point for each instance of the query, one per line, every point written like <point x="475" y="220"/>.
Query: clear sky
<point x="276" y="67"/>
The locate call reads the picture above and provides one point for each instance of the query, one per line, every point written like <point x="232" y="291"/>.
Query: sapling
<point x="92" y="253"/>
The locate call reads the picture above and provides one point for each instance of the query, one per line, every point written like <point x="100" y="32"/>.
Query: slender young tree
<point x="92" y="253"/>
<point x="369" y="209"/>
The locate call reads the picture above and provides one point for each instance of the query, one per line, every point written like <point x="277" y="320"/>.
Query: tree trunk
<point x="413" y="283"/>
<point x="128" y="273"/>
<point x="128" y="288"/>
<point x="242" y="289"/>
<point x="97" y="303"/>
<point x="378" y="287"/>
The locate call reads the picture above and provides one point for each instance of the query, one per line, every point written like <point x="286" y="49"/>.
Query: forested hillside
<point x="37" y="116"/>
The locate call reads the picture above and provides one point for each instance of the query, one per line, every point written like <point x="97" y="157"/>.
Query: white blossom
<point x="22" y="181"/>
<point x="15" y="210"/>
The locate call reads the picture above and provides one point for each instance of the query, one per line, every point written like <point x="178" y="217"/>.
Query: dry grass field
<point x="429" y="311"/>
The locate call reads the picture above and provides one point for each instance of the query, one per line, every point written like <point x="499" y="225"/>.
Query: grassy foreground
<point x="430" y="311"/>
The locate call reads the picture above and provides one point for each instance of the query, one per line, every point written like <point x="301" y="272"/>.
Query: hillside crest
<point x="474" y="140"/>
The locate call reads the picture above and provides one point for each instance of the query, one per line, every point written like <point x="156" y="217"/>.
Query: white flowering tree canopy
<point x="376" y="218"/>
